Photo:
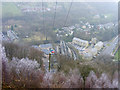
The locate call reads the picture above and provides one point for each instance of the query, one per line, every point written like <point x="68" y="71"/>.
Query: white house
<point x="80" y="42"/>
<point x="99" y="45"/>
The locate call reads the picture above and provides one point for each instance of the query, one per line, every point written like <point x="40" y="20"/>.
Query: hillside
<point x="10" y="10"/>
<point x="79" y="12"/>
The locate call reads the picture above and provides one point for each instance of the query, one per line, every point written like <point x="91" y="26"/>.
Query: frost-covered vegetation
<point x="22" y="51"/>
<point x="26" y="73"/>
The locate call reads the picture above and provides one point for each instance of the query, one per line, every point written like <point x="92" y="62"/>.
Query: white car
<point x="94" y="56"/>
<point x="98" y="52"/>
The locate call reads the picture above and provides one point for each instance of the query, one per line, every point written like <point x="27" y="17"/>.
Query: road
<point x="109" y="48"/>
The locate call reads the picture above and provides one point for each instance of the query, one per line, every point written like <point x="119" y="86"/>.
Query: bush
<point x="25" y="73"/>
<point x="103" y="81"/>
<point x="66" y="63"/>
<point x="15" y="50"/>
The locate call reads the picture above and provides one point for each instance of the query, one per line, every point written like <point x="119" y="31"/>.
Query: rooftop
<point x="46" y="51"/>
<point x="80" y="40"/>
<point x="45" y="46"/>
<point x="100" y="43"/>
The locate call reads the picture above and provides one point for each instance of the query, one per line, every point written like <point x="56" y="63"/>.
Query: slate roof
<point x="46" y="51"/>
<point x="46" y="46"/>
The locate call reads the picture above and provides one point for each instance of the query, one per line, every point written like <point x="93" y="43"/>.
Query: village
<point x="85" y="27"/>
<point x="35" y="8"/>
<point x="59" y="44"/>
<point x="86" y="49"/>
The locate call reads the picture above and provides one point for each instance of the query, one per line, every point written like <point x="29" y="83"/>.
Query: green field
<point x="10" y="10"/>
<point x="117" y="55"/>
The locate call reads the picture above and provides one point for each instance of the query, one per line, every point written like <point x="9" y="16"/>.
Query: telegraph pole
<point x="49" y="60"/>
<point x="51" y="53"/>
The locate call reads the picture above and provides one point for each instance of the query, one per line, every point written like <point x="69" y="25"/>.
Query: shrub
<point x="15" y="50"/>
<point x="25" y="73"/>
<point x="103" y="81"/>
<point x="66" y="63"/>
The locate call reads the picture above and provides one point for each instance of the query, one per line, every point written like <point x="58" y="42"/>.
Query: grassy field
<point x="10" y="10"/>
<point x="36" y="37"/>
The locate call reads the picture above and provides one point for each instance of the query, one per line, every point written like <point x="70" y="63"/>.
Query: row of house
<point x="4" y="37"/>
<point x="9" y="36"/>
<point x="12" y="35"/>
<point x="80" y="42"/>
<point x="35" y="9"/>
<point x="26" y="8"/>
<point x="85" y="49"/>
